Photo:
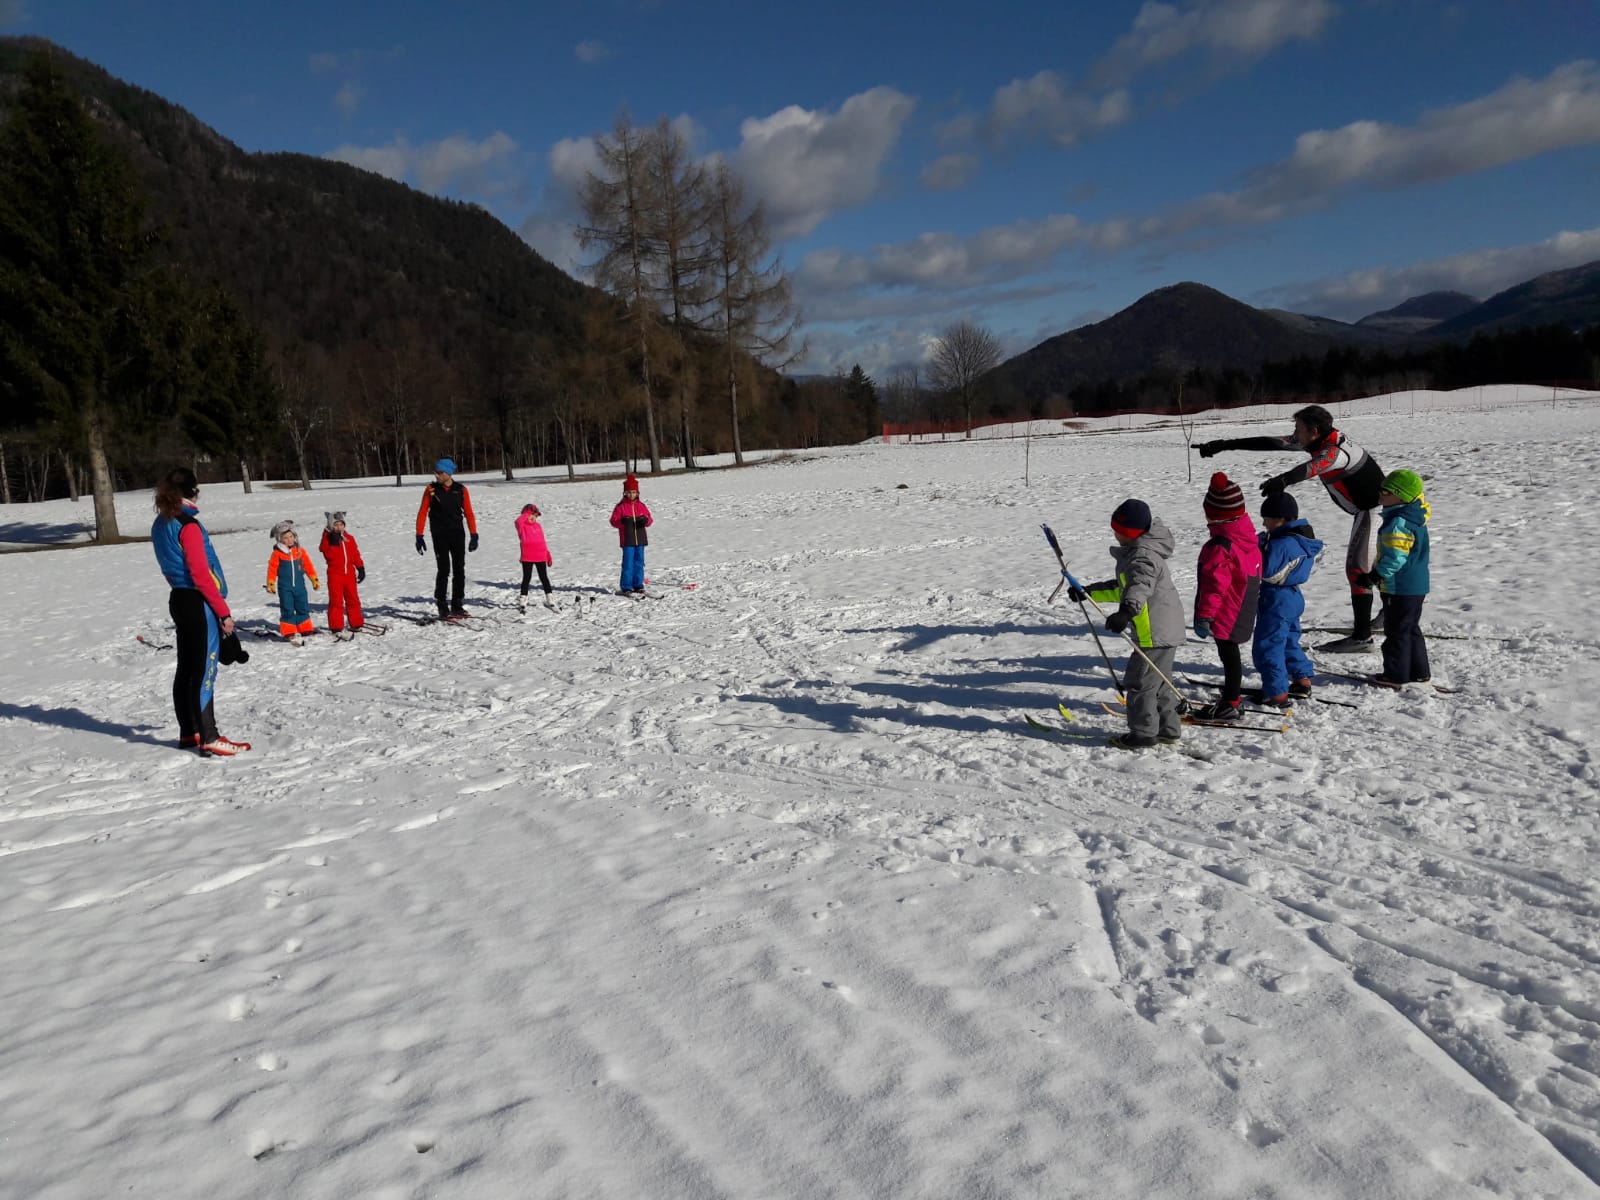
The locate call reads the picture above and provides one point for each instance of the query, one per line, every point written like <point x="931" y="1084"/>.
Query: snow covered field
<point x="765" y="889"/>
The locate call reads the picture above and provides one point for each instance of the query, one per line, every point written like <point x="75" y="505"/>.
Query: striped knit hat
<point x="1224" y="500"/>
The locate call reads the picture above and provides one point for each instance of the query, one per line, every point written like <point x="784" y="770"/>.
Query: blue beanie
<point x="447" y="465"/>
<point x="1280" y="504"/>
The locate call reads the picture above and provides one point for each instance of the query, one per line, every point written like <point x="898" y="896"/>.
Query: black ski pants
<point x="527" y="576"/>
<point x="197" y="664"/>
<point x="1405" y="650"/>
<point x="450" y="553"/>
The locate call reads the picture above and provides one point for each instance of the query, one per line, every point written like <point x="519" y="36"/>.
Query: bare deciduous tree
<point x="679" y="219"/>
<point x="755" y="313"/>
<point x="616" y="210"/>
<point x="963" y="353"/>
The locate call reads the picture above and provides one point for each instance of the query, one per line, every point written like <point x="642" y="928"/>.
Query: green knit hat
<point x="1405" y="484"/>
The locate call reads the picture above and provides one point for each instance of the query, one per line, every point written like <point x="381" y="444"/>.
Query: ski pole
<point x="1183" y="701"/>
<point x="1068" y="580"/>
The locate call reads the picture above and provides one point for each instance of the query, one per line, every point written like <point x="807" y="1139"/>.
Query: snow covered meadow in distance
<point x="766" y="889"/>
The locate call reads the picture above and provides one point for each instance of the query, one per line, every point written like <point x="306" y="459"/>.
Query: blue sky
<point x="1030" y="166"/>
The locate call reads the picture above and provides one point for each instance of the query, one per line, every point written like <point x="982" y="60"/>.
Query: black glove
<point x="1207" y="449"/>
<point x="1369" y="579"/>
<point x="1117" y="621"/>
<point x="229" y="651"/>
<point x="1273" y="486"/>
<point x="361" y="574"/>
<point x="1078" y="594"/>
<point x="473" y="544"/>
<point x="422" y="544"/>
<point x="334" y="537"/>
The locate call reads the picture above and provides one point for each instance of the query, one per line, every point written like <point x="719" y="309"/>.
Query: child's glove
<point x="361" y="574"/>
<point x="1077" y="593"/>
<point x="422" y="544"/>
<point x="316" y="585"/>
<point x="1202" y="628"/>
<point x="1369" y="579"/>
<point x="1117" y="621"/>
<point x="473" y="544"/>
<point x="271" y="587"/>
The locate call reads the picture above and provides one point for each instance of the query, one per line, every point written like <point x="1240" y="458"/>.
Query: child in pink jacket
<point x="535" y="553"/>
<point x="630" y="518"/>
<point x="1229" y="584"/>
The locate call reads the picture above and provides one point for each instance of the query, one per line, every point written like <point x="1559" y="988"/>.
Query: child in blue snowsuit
<point x="1288" y="552"/>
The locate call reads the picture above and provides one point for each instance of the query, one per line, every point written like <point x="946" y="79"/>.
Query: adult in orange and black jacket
<point x="1352" y="478"/>
<point x="446" y="513"/>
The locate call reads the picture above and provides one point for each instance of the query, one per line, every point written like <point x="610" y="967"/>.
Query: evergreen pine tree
<point x="77" y="311"/>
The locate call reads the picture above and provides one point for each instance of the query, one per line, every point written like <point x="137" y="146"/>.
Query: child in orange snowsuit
<point x="287" y="572"/>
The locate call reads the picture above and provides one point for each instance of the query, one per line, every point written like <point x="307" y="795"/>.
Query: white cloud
<point x="1230" y="32"/>
<point x="945" y="261"/>
<point x="1045" y="107"/>
<point x="458" y="163"/>
<point x="949" y="172"/>
<point x="1225" y="34"/>
<point x="807" y="164"/>
<point x="1479" y="273"/>
<point x="591" y="51"/>
<point x="348" y="98"/>
<point x="1523" y="119"/>
<point x="556" y="239"/>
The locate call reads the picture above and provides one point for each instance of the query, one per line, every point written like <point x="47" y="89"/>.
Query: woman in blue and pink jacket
<point x="199" y="609"/>
<point x="630" y="518"/>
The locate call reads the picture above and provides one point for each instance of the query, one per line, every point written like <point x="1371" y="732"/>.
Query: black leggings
<point x="1232" y="670"/>
<point x="191" y="700"/>
<point x="544" y="576"/>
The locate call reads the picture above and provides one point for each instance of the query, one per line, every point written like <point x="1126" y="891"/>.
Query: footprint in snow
<point x="1259" y="1134"/>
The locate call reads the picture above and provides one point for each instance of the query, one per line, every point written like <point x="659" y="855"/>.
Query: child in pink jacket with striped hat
<point x="535" y="553"/>
<point x="1229" y="586"/>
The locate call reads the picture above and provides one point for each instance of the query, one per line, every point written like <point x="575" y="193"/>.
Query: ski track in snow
<point x="764" y="888"/>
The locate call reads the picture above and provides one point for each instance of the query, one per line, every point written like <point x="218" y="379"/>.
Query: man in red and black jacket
<point x="446" y="513"/>
<point x="1353" y="479"/>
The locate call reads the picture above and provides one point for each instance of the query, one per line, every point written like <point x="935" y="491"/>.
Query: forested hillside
<point x="396" y="326"/>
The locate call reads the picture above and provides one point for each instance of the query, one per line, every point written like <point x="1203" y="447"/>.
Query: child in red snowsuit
<point x="345" y="571"/>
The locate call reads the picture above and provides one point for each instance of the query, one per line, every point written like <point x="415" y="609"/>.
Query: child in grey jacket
<point x="1148" y="604"/>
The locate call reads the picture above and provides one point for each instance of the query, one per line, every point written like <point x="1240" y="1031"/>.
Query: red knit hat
<point x="630" y="484"/>
<point x="1224" y="500"/>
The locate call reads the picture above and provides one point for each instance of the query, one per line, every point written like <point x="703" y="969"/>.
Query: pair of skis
<point x="1067" y="580"/>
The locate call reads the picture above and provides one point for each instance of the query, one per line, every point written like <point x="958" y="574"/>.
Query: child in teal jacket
<point x="1401" y="576"/>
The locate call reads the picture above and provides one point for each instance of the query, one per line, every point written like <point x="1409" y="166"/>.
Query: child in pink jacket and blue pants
<point x="535" y="553"/>
<point x="1229" y="589"/>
